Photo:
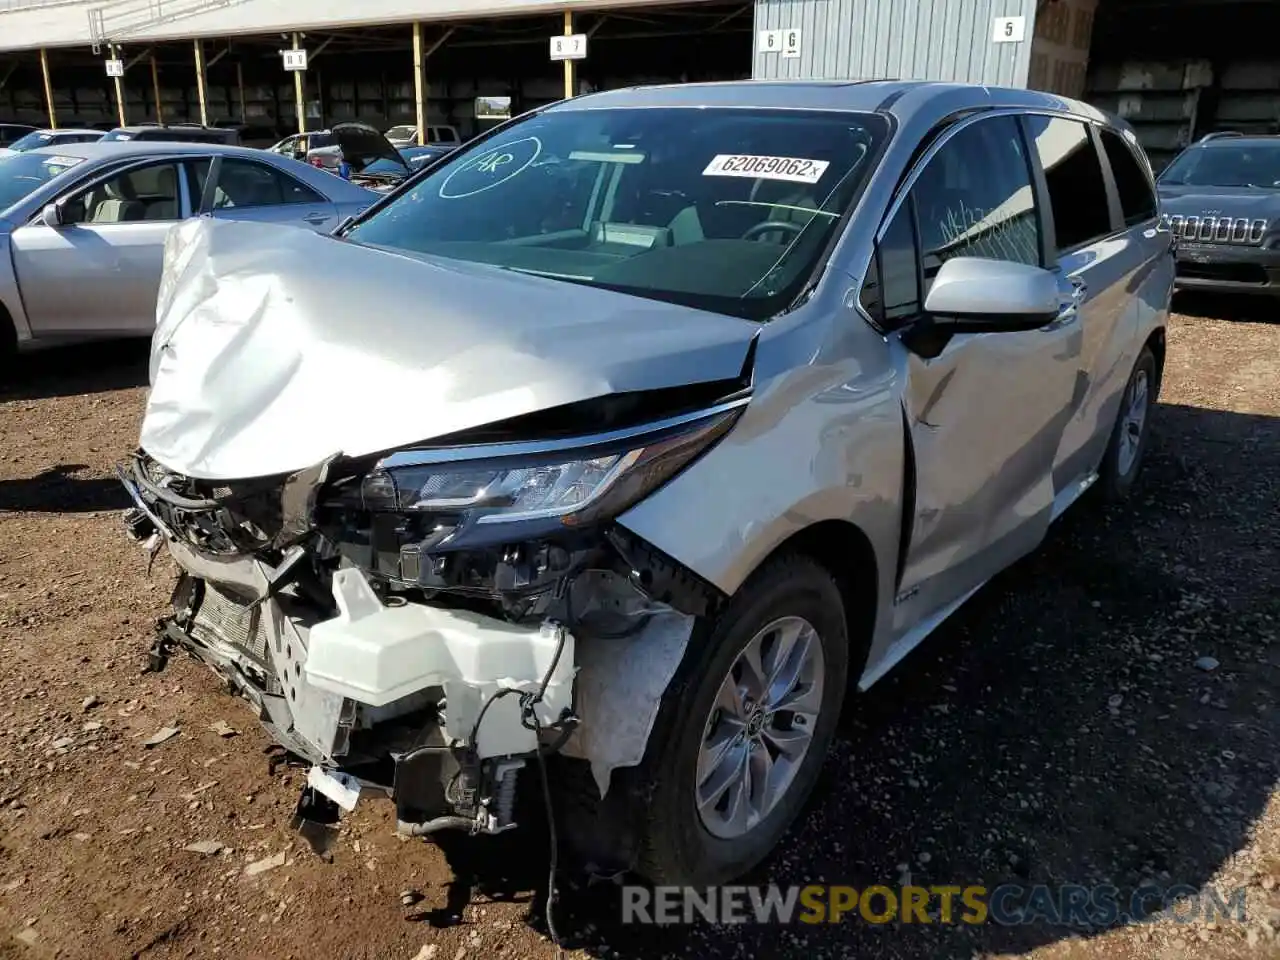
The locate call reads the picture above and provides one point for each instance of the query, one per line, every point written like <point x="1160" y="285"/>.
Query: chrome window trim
<point x="908" y="183"/>
<point x="918" y="168"/>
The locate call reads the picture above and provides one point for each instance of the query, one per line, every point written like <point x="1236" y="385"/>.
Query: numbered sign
<point x="769" y="41"/>
<point x="791" y="43"/>
<point x="572" y="47"/>
<point x="115" y="68"/>
<point x="1009" y="30"/>
<point x="294" y="59"/>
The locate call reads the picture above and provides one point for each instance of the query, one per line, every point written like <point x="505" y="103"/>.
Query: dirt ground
<point x="1057" y="730"/>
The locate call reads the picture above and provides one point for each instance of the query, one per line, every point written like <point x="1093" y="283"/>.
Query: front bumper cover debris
<point x="430" y="702"/>
<point x="429" y="744"/>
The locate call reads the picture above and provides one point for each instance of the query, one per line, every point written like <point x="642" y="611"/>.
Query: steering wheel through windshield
<point x="772" y="226"/>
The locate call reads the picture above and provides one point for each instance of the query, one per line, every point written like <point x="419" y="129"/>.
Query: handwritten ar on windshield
<point x="494" y="161"/>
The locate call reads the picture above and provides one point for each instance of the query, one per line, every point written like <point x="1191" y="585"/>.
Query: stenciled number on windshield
<point x="796" y="169"/>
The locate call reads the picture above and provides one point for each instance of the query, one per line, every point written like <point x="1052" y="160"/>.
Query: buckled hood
<point x="276" y="348"/>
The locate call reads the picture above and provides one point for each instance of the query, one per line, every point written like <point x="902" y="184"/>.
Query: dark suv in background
<point x="1221" y="199"/>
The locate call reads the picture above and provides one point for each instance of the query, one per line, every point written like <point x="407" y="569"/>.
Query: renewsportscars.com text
<point x="1070" y="905"/>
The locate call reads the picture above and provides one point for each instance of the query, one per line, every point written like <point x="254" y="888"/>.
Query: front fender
<point x="821" y="440"/>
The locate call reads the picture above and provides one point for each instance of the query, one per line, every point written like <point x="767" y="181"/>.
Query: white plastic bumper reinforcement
<point x="375" y="653"/>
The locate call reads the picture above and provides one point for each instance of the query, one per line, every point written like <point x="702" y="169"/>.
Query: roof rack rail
<point x="1220" y="135"/>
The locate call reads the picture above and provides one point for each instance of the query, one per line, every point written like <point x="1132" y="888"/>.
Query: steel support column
<point x="48" y="89"/>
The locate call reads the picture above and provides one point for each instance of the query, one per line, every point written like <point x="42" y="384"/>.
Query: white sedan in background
<point x="83" y="226"/>
<point x="50" y="138"/>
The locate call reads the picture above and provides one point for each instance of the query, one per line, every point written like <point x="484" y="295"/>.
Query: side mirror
<point x="51" y="215"/>
<point x="975" y="295"/>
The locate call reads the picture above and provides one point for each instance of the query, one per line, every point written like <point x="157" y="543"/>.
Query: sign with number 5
<point x="1009" y="30"/>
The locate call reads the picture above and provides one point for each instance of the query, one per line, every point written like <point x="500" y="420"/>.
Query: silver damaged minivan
<point x="699" y="408"/>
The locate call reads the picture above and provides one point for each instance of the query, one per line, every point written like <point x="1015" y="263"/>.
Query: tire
<point x="677" y="844"/>
<point x="1122" y="462"/>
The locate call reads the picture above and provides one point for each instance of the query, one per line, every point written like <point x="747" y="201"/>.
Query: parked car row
<point x="356" y="150"/>
<point x="50" y="138"/>
<point x="406" y="135"/>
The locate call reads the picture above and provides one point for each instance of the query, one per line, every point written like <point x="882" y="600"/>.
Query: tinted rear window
<point x="1137" y="199"/>
<point x="1077" y="187"/>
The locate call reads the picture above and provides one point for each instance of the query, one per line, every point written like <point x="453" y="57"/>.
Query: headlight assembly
<point x="543" y="484"/>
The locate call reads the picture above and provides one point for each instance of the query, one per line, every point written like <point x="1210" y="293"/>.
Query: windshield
<point x="21" y="173"/>
<point x="384" y="168"/>
<point x="1236" y="165"/>
<point x="417" y="156"/>
<point x="401" y="133"/>
<point x="32" y="140"/>
<point x="117" y="135"/>
<point x="725" y="209"/>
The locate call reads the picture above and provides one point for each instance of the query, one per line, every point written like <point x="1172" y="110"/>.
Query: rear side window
<point x="243" y="184"/>
<point x="1077" y="189"/>
<point x="1137" y="199"/>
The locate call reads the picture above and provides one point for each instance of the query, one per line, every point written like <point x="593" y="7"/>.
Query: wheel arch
<point x="1157" y="343"/>
<point x="845" y="551"/>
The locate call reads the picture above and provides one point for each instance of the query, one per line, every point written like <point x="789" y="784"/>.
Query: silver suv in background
<point x="723" y="397"/>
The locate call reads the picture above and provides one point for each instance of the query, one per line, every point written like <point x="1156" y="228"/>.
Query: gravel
<point x="1061" y="728"/>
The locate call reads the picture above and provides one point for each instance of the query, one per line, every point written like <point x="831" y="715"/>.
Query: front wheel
<point x="743" y="732"/>
<point x="1123" y="459"/>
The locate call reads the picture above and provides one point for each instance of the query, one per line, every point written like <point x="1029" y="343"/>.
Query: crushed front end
<point x="425" y="623"/>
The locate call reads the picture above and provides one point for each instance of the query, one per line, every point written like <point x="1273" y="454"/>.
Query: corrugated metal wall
<point x="1060" y="50"/>
<point x="897" y="39"/>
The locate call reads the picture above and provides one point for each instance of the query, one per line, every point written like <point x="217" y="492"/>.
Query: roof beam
<point x="216" y="57"/>
<point x="144" y="53"/>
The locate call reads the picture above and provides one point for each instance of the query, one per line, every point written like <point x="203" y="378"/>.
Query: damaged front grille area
<point x="410" y="618"/>
<point x="220" y="519"/>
